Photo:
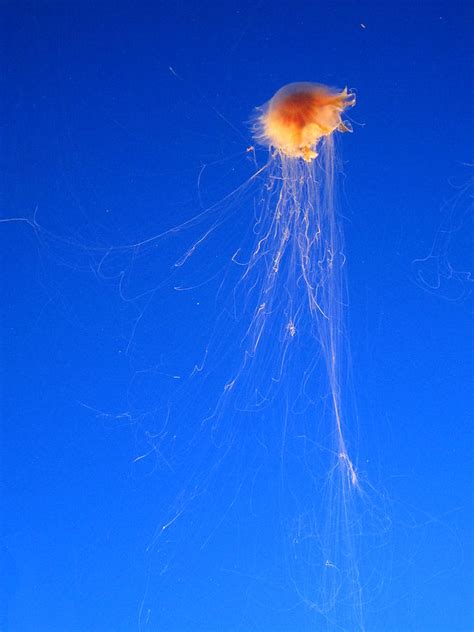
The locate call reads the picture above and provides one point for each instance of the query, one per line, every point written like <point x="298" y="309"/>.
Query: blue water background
<point x="123" y="120"/>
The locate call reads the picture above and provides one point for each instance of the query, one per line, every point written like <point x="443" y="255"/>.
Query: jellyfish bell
<point x="299" y="115"/>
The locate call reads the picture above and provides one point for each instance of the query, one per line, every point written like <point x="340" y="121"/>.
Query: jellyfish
<point x="301" y="236"/>
<point x="295" y="280"/>
<point x="282" y="356"/>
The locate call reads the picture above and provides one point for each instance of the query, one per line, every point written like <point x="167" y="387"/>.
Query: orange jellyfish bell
<point x="299" y="115"/>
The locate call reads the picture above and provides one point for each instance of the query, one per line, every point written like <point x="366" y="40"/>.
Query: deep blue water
<point x="121" y="121"/>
